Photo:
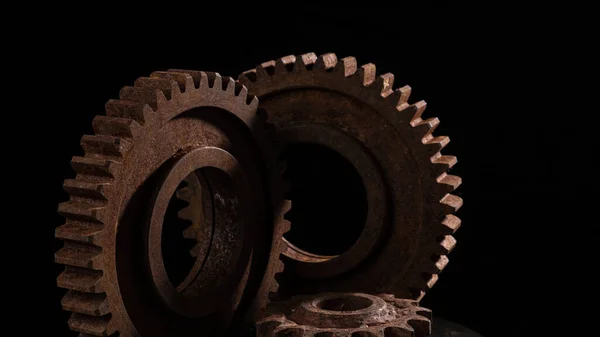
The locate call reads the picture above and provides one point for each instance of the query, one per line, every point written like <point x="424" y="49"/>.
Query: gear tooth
<point x="347" y="66"/>
<point x="95" y="326"/>
<point x="446" y="161"/>
<point x="421" y="326"/>
<point x="427" y="313"/>
<point x="326" y="62"/>
<point x="447" y="244"/>
<point x="403" y="95"/>
<point x="228" y="85"/>
<point x="252" y="101"/>
<point x="385" y="83"/>
<point x="248" y="77"/>
<point x="305" y="62"/>
<point x="128" y="109"/>
<point x="440" y="263"/>
<point x="426" y="127"/>
<point x="168" y="87"/>
<point x="184" y="80"/>
<point x="452" y="201"/>
<point x="452" y="223"/>
<point x="186" y="214"/>
<point x="77" y="210"/>
<point x="367" y="74"/>
<point x="451" y="182"/>
<point x="184" y="194"/>
<point x="194" y="251"/>
<point x="241" y="91"/>
<point x="190" y="233"/>
<point x="79" y="231"/>
<point x="79" y="255"/>
<point x="210" y="79"/>
<point x="266" y="69"/>
<point x="81" y="279"/>
<point x="285" y="64"/>
<point x="93" y="167"/>
<point x="431" y="280"/>
<point x="149" y="96"/>
<point x="195" y="74"/>
<point x="86" y="189"/>
<point x="84" y="303"/>
<point x="413" y="112"/>
<point x="114" y="126"/>
<point x="436" y="143"/>
<point x="105" y="145"/>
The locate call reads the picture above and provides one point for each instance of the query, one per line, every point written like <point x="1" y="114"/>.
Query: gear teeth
<point x="305" y="62"/>
<point x="326" y="62"/>
<point x="285" y="64"/>
<point x="240" y="91"/>
<point x="105" y="145"/>
<point x="86" y="189"/>
<point x="114" y="126"/>
<point x="248" y="77"/>
<point x="190" y="233"/>
<point x="93" y="167"/>
<point x="447" y="161"/>
<point x="420" y="325"/>
<point x="452" y="223"/>
<point x="367" y="74"/>
<point x="86" y="232"/>
<point x="79" y="255"/>
<point x="436" y="143"/>
<point x="426" y="127"/>
<point x="266" y="69"/>
<point x="347" y="66"/>
<point x="228" y="85"/>
<point x="76" y="210"/>
<point x="95" y="326"/>
<point x="184" y="194"/>
<point x="402" y="94"/>
<point x="168" y="87"/>
<point x="184" y="81"/>
<point x="211" y="79"/>
<point x="452" y="201"/>
<point x="128" y="109"/>
<point x="186" y="214"/>
<point x="412" y="112"/>
<point x="447" y="244"/>
<point x="450" y="181"/>
<point x="195" y="74"/>
<point x="81" y="279"/>
<point x="149" y="96"/>
<point x="385" y="84"/>
<point x="440" y="263"/>
<point x="88" y="304"/>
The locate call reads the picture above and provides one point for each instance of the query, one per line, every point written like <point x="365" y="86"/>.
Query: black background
<point x="477" y="74"/>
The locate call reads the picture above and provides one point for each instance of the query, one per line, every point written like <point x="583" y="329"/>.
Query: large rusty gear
<point x="409" y="224"/>
<point x="169" y="127"/>
<point x="345" y="315"/>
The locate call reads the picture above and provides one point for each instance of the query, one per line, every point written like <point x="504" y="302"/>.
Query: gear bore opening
<point x="329" y="200"/>
<point x="344" y="303"/>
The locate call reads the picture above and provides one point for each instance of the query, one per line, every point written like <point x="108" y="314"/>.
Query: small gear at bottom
<point x="345" y="315"/>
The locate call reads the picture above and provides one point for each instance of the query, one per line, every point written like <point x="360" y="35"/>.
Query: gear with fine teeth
<point x="172" y="126"/>
<point x="408" y="222"/>
<point x="345" y="315"/>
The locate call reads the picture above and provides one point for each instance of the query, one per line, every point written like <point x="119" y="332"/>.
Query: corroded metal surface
<point x="345" y="315"/>
<point x="345" y="107"/>
<point x="169" y="127"/>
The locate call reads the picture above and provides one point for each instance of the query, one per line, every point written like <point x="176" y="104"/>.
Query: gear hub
<point x="345" y="315"/>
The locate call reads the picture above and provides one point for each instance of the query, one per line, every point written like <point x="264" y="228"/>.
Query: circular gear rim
<point x="360" y="83"/>
<point x="94" y="192"/>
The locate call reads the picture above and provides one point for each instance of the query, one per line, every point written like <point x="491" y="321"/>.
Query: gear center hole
<point x="329" y="200"/>
<point x="344" y="303"/>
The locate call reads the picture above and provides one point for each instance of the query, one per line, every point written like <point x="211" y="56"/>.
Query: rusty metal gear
<point x="408" y="224"/>
<point x="345" y="315"/>
<point x="168" y="127"/>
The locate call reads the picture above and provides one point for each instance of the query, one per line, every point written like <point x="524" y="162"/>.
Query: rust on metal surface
<point x="345" y="315"/>
<point x="171" y="127"/>
<point x="408" y="222"/>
